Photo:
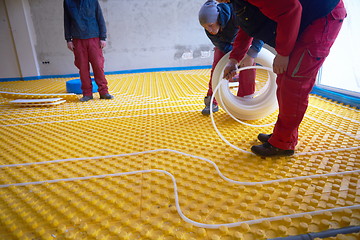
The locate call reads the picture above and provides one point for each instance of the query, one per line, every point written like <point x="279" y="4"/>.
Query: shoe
<point x="264" y="137"/>
<point x="267" y="150"/>
<point x="106" y="96"/>
<point x="206" y="110"/>
<point x="86" y="98"/>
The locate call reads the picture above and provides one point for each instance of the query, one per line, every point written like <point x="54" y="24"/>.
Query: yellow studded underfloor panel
<point x="148" y="165"/>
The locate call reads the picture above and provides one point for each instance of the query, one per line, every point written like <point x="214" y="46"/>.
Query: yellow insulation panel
<point x="128" y="168"/>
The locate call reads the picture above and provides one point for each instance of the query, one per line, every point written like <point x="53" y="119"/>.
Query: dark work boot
<point x="268" y="150"/>
<point x="106" y="96"/>
<point x="264" y="137"/>
<point x="206" y="110"/>
<point x="86" y="98"/>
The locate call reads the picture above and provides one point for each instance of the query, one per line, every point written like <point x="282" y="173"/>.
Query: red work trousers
<point x="246" y="78"/>
<point x="294" y="86"/>
<point x="89" y="51"/>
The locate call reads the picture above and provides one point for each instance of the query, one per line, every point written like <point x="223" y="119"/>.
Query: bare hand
<point x="280" y="64"/>
<point x="102" y="44"/>
<point x="230" y="69"/>
<point x="70" y="46"/>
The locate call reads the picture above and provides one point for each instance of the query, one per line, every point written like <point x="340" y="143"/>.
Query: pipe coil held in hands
<point x="261" y="104"/>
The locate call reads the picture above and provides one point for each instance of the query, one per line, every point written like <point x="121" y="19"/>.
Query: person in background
<point x="218" y="22"/>
<point x="85" y="34"/>
<point x="302" y="33"/>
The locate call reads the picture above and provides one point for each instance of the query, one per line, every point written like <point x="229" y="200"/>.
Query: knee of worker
<point x="97" y="60"/>
<point x="294" y="88"/>
<point x="293" y="109"/>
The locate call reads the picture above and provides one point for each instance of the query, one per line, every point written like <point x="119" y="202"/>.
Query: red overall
<point x="294" y="86"/>
<point x="89" y="51"/>
<point x="246" y="78"/>
<point x="306" y="52"/>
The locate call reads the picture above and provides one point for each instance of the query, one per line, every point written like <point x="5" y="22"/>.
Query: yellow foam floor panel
<point x="148" y="165"/>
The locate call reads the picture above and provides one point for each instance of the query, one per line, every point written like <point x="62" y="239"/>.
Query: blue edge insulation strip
<point x="336" y="96"/>
<point x="339" y="97"/>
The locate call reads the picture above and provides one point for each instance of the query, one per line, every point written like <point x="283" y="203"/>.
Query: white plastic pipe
<point x="263" y="102"/>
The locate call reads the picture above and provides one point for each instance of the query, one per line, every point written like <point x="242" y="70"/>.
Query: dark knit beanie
<point x="208" y="12"/>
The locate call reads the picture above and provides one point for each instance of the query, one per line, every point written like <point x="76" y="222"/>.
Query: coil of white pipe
<point x="262" y="104"/>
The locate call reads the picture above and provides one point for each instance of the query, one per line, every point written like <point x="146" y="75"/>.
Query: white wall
<point x="23" y="35"/>
<point x="9" y="67"/>
<point x="141" y="34"/>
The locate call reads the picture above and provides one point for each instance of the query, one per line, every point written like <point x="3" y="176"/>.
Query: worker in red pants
<point x="302" y="33"/>
<point x="218" y="22"/>
<point x="85" y="34"/>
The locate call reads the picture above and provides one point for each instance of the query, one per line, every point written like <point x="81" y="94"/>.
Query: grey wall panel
<point x="141" y="34"/>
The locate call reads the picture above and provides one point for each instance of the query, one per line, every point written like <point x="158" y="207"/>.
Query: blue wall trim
<point x="108" y="73"/>
<point x="336" y="96"/>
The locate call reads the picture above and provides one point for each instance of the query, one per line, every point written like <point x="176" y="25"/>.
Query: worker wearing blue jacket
<point x="85" y="34"/>
<point x="218" y="22"/>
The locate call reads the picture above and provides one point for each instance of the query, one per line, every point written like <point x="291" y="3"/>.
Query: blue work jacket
<point x="83" y="19"/>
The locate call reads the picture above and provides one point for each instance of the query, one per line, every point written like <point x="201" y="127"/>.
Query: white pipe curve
<point x="264" y="101"/>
